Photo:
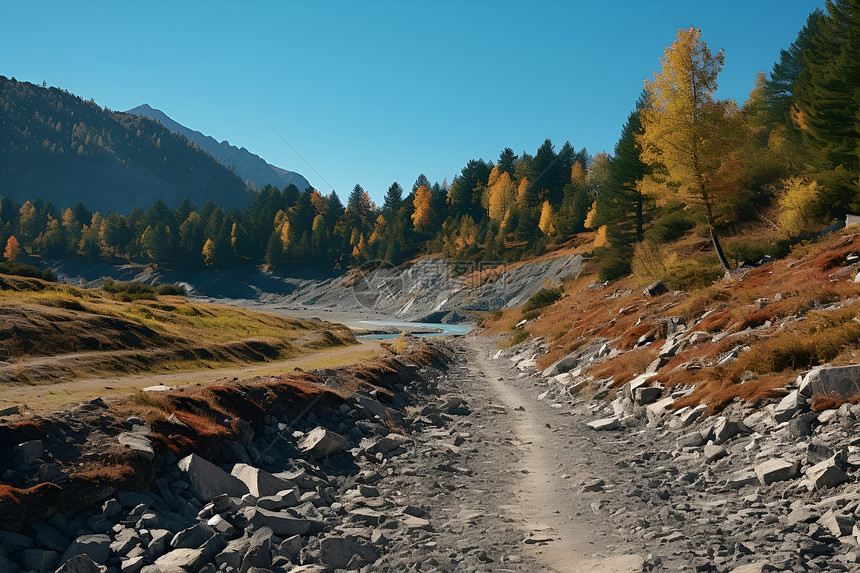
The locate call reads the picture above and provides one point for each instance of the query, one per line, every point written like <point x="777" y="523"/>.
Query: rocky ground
<point x="494" y="467"/>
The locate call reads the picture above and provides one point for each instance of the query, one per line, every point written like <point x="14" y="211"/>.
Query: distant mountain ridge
<point x="248" y="166"/>
<point x="57" y="147"/>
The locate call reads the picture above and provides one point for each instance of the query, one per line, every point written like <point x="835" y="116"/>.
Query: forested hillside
<point x="687" y="164"/>
<point x="59" y="148"/>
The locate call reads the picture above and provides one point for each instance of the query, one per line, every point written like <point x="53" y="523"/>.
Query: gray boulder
<point x="340" y="552"/>
<point x="39" y="560"/>
<point x="139" y="442"/>
<point x="208" y="480"/>
<point x="321" y="442"/>
<point x="260" y="483"/>
<point x="259" y="553"/>
<point x="281" y="523"/>
<point x="48" y="537"/>
<point x="184" y="560"/>
<point x="281" y="500"/>
<point x="96" y="547"/>
<point x="776" y="470"/>
<point x="828" y="473"/>
<point x="81" y="564"/>
<point x="655" y="289"/>
<point x="647" y="395"/>
<point x="192" y="537"/>
<point x="604" y="424"/>
<point x="383" y="445"/>
<point x="841" y="380"/>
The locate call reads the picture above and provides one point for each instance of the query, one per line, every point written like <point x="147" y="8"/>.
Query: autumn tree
<point x="423" y="215"/>
<point x="13" y="249"/>
<point x="209" y="253"/>
<point x="684" y="127"/>
<point x="502" y="194"/>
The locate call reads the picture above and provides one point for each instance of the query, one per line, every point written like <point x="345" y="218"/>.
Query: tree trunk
<point x="719" y="250"/>
<point x="714" y="240"/>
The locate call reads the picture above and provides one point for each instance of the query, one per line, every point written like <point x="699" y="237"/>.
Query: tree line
<point x="685" y="160"/>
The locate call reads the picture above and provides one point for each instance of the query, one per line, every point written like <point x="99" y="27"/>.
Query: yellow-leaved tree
<point x="209" y="253"/>
<point x="502" y="195"/>
<point x="685" y="130"/>
<point x="423" y="215"/>
<point x="797" y="202"/>
<point x="547" y="219"/>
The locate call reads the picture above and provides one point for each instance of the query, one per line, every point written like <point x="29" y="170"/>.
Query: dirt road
<point x="502" y="481"/>
<point x="547" y="490"/>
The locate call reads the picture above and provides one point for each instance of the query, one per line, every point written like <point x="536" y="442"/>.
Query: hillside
<point x="744" y="339"/>
<point x="51" y="332"/>
<point x="60" y="148"/>
<point x="248" y="166"/>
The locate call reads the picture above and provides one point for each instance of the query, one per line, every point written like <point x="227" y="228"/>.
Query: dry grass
<point x="625" y="367"/>
<point x="40" y="320"/>
<point x="790" y="294"/>
<point x="719" y="393"/>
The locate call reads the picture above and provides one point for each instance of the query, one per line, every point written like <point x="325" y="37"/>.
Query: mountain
<point x="57" y="147"/>
<point x="248" y="166"/>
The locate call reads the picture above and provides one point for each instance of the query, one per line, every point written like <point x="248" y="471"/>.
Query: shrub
<point x="171" y="289"/>
<point x="543" y="297"/>
<point x="650" y="262"/>
<point x="22" y="270"/>
<point x="614" y="264"/>
<point x="799" y="206"/>
<point x="693" y="274"/>
<point x="670" y="226"/>
<point x="749" y="252"/>
<point x="129" y="291"/>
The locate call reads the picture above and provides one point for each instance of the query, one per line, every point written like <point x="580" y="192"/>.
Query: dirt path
<point x="47" y="397"/>
<point x="547" y="491"/>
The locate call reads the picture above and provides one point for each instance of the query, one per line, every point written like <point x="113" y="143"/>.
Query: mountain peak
<point x="248" y="166"/>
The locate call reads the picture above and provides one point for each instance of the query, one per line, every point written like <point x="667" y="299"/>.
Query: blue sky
<point x="376" y="92"/>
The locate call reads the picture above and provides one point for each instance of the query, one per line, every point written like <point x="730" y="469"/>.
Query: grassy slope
<point x="783" y="318"/>
<point x="50" y="331"/>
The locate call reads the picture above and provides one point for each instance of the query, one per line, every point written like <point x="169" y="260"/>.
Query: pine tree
<point x="393" y="201"/>
<point x="781" y="86"/>
<point x="622" y="205"/>
<point x="828" y="103"/>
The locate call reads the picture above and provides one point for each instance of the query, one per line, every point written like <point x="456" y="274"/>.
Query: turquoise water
<point x="446" y="329"/>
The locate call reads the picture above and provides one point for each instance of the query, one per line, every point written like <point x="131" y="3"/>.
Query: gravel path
<point x="502" y="481"/>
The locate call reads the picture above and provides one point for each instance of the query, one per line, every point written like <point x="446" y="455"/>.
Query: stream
<point x="421" y="329"/>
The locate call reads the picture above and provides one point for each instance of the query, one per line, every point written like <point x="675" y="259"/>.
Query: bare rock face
<point x="208" y="480"/>
<point x="321" y="442"/>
